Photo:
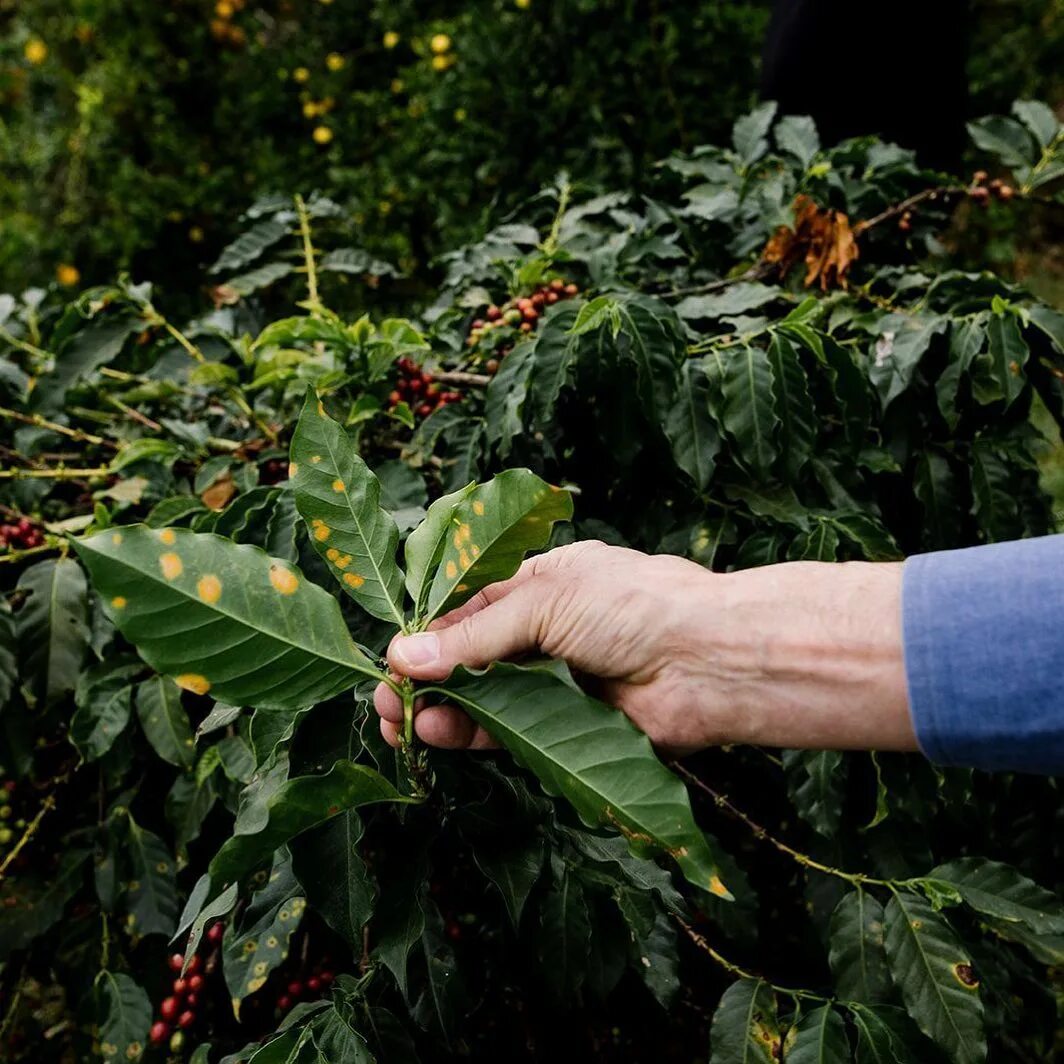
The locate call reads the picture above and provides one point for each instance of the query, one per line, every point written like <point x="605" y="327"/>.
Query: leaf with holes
<point x="339" y="499"/>
<point x="223" y="617"/>
<point x="489" y="533"/>
<point x="591" y="755"/>
<point x="934" y="974"/>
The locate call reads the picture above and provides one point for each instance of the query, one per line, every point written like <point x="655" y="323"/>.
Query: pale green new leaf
<point x="165" y="722"/>
<point x="819" y="1038"/>
<point x="934" y="974"/>
<point x="125" y="1017"/>
<point x="424" y="546"/>
<point x="591" y="755"/>
<point x="224" y="617"/>
<point x="339" y="498"/>
<point x="999" y="890"/>
<point x="294" y="807"/>
<point x="745" y="1028"/>
<point x="490" y="532"/>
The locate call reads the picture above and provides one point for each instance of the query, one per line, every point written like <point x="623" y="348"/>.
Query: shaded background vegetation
<point x="132" y="135"/>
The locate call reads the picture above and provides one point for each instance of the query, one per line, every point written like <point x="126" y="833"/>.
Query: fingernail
<point x="421" y="649"/>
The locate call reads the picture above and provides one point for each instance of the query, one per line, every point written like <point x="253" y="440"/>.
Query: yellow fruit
<point x="460" y="114"/>
<point x="397" y="85"/>
<point x="68" y="276"/>
<point x="440" y="43"/>
<point x="223" y="9"/>
<point x="524" y="5"/>
<point x="310" y="109"/>
<point x="195" y="234"/>
<point x="335" y="61"/>
<point x="391" y="39"/>
<point x="441" y="62"/>
<point x="301" y="74"/>
<point x="322" y="134"/>
<point x="36" y="51"/>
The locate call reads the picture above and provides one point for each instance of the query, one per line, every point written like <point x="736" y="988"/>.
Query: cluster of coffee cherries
<point x="8" y="824"/>
<point x="981" y="189"/>
<point x="20" y="535"/>
<point x="297" y="990"/>
<point x="494" y="332"/>
<point x="178" y="1011"/>
<point x="420" y="390"/>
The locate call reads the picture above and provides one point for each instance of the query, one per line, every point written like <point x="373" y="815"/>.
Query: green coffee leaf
<point x="151" y="894"/>
<point x="856" y="955"/>
<point x="749" y="405"/>
<point x="886" y="1036"/>
<point x="490" y="532"/>
<point x="794" y="404"/>
<point x="564" y="937"/>
<point x="165" y="722"/>
<point x="339" y="499"/>
<point x="591" y="755"/>
<point x="819" y="1038"/>
<point x="745" y="1027"/>
<point x="294" y="807"/>
<point x="125" y="1017"/>
<point x="999" y="890"/>
<point x="224" y="618"/>
<point x="934" y="974"/>
<point x="53" y="628"/>
<point x="425" y="545"/>
<point x="816" y="782"/>
<point x="104" y="697"/>
<point x="514" y="868"/>
<point x="691" y="428"/>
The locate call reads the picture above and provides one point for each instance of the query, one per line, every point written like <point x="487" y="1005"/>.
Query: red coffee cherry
<point x="194" y="964"/>
<point x="169" y="1008"/>
<point x="177" y="962"/>
<point x="314" y="984"/>
<point x="159" y="1033"/>
<point x="284" y="1002"/>
<point x="214" y="935"/>
<point x="295" y="988"/>
<point x="186" y="1019"/>
<point x="195" y="983"/>
<point x="180" y="987"/>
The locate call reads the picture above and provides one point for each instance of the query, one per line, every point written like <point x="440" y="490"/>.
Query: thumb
<point x="512" y="625"/>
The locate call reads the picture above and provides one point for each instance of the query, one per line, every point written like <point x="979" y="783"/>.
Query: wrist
<point x="809" y="655"/>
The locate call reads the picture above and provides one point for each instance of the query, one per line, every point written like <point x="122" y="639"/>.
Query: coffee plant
<point x="213" y="528"/>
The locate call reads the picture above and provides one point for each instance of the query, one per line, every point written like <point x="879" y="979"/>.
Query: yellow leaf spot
<point x="168" y="536"/>
<point x="293" y="468"/>
<point x="338" y="485"/>
<point x="343" y="561"/>
<point x="451" y="570"/>
<point x="256" y="984"/>
<point x="476" y="550"/>
<point x="192" y="681"/>
<point x="353" y="580"/>
<point x="332" y="554"/>
<point x="116" y="538"/>
<point x="464" y="560"/>
<point x="462" y="587"/>
<point x="718" y="888"/>
<point x="250" y="947"/>
<point x="321" y="529"/>
<point x="209" y="589"/>
<point x="171" y="566"/>
<point x="118" y="602"/>
<point x="272" y="942"/>
<point x="478" y="508"/>
<point x="321" y="409"/>
<point x="284" y="580"/>
<point x="315" y="459"/>
<point x="162" y="867"/>
<point x="260" y="968"/>
<point x="284" y="915"/>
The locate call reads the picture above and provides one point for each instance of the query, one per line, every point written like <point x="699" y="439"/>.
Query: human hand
<point x="802" y="654"/>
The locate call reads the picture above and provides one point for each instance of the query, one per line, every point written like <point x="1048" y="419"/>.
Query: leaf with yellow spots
<point x="165" y="722"/>
<point x="745" y="1026"/>
<point x="592" y="755"/>
<point x="424" y="546"/>
<point x="294" y="807"/>
<point x="339" y="498"/>
<point x="271" y="919"/>
<point x="257" y="644"/>
<point x="489" y="532"/>
<point x="934" y="974"/>
<point x="151" y="895"/>
<point x="124" y="1009"/>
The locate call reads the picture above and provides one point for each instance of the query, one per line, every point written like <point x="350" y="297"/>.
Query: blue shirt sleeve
<point x="984" y="654"/>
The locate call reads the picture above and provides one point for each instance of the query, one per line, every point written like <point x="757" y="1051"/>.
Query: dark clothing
<point x="895" y="69"/>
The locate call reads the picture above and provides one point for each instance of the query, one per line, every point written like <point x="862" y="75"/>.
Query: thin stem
<point x="550" y="245"/>
<point x="22" y="345"/>
<point x="12" y="1008"/>
<point x="135" y="415"/>
<point x="407" y="693"/>
<point x="190" y="348"/>
<point x="743" y="973"/>
<point x="898" y="209"/>
<point x="856" y="878"/>
<point x="31" y="828"/>
<point x="42" y="422"/>
<point x="474" y="380"/>
<point x="56" y="473"/>
<point x="14" y="556"/>
<point x="313" y="301"/>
